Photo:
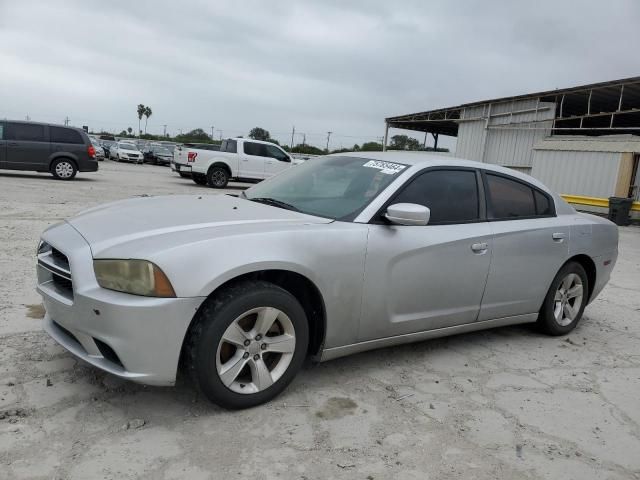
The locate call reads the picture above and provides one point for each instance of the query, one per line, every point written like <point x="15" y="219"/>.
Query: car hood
<point x="146" y="218"/>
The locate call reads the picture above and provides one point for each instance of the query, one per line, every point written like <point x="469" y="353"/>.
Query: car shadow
<point x="47" y="176"/>
<point x="316" y="377"/>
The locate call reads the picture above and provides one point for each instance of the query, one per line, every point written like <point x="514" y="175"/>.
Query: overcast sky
<point x="319" y="65"/>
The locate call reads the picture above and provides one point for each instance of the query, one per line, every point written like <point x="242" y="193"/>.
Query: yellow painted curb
<point x="594" y="201"/>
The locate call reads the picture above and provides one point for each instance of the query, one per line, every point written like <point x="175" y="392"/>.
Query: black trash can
<point x="619" y="210"/>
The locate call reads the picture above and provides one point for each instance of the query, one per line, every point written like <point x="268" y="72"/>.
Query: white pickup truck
<point x="239" y="158"/>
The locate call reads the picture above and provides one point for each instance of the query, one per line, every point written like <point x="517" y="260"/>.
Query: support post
<point x="386" y="137"/>
<point x="435" y="141"/>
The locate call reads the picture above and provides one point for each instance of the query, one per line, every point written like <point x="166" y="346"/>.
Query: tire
<point x="565" y="301"/>
<point x="184" y="175"/>
<point x="217" y="177"/>
<point x="199" y="178"/>
<point x="256" y="373"/>
<point x="64" y="169"/>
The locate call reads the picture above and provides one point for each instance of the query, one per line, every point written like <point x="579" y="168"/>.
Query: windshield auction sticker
<point x="387" y="168"/>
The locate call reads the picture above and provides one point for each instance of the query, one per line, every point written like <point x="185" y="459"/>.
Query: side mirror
<point x="408" y="214"/>
<point x="286" y="158"/>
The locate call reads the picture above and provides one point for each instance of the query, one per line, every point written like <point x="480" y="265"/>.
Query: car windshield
<point x="127" y="146"/>
<point x="331" y="187"/>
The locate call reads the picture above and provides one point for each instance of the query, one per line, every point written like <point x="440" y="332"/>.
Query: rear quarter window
<point x="65" y="135"/>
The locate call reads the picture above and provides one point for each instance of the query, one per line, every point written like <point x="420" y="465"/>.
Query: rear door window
<point x="25" y="132"/>
<point x="1" y="131"/>
<point x="543" y="205"/>
<point x="255" y="149"/>
<point x="65" y="135"/>
<point x="509" y="199"/>
<point x="229" y="146"/>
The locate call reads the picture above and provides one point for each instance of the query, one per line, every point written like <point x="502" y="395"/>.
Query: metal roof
<point x="596" y="108"/>
<point x="612" y="143"/>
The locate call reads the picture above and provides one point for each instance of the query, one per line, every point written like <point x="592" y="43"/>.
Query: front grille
<point x="58" y="272"/>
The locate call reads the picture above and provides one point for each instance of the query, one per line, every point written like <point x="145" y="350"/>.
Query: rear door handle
<point x="558" y="237"/>
<point x="479" y="247"/>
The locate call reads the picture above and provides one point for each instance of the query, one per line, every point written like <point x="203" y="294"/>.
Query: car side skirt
<point x="337" y="352"/>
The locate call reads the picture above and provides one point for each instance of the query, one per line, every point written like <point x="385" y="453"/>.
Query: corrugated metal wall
<point x="511" y="146"/>
<point x="592" y="174"/>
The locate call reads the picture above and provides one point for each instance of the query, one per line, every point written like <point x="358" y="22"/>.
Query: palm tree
<point x="141" y="110"/>
<point x="129" y="130"/>
<point x="147" y="113"/>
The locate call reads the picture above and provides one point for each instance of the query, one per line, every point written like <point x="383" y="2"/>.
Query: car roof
<point x="440" y="159"/>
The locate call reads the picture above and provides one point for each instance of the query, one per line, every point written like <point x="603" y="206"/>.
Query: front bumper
<point x="132" y="337"/>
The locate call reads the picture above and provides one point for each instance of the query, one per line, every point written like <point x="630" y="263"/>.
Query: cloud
<point x="318" y="65"/>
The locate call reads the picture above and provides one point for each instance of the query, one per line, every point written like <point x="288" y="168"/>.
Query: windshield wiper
<point x="275" y="203"/>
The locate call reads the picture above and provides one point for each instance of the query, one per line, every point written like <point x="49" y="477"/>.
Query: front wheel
<point x="217" y="177"/>
<point x="63" y="169"/>
<point x="247" y="344"/>
<point x="565" y="301"/>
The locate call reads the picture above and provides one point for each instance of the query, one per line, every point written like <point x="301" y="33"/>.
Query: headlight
<point x="137" y="277"/>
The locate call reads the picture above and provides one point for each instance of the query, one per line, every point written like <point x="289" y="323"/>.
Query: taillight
<point x="91" y="150"/>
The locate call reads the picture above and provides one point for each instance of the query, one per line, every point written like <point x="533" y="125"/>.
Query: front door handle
<point x="558" y="237"/>
<point x="479" y="247"/>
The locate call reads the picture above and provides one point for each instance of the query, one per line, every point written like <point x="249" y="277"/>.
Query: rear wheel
<point x="217" y="177"/>
<point x="565" y="301"/>
<point x="63" y="169"/>
<point x="247" y="344"/>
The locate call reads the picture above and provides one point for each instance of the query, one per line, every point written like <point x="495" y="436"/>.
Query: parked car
<point x="182" y="154"/>
<point x="106" y="146"/>
<point x="126" y="152"/>
<point x="239" y="158"/>
<point x="100" y="155"/>
<point x="158" y="155"/>
<point x="41" y="147"/>
<point x="341" y="254"/>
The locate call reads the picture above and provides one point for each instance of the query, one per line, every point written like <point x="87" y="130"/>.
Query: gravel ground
<point x="507" y="403"/>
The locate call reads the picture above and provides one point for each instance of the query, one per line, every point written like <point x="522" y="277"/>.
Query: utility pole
<point x="27" y="117"/>
<point x="212" y="132"/>
<point x="66" y="120"/>
<point x="165" y="130"/>
<point x="293" y="132"/>
<point x="328" y="137"/>
<point x="304" y="139"/>
<point x="220" y="132"/>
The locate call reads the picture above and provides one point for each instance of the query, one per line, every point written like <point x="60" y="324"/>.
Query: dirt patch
<point x="337" y="407"/>
<point x="35" y="311"/>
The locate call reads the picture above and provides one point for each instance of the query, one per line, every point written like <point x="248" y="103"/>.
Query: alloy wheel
<point x="64" y="170"/>
<point x="568" y="299"/>
<point x="218" y="178"/>
<point x="255" y="350"/>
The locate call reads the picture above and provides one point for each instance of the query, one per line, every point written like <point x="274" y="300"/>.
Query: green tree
<point x="147" y="114"/>
<point x="404" y="142"/>
<point x="141" y="109"/>
<point x="308" y="149"/>
<point x="195" y="136"/>
<point x="371" y="147"/>
<point x="258" y="133"/>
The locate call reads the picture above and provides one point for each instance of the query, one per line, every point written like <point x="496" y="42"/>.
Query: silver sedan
<point x="341" y="254"/>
